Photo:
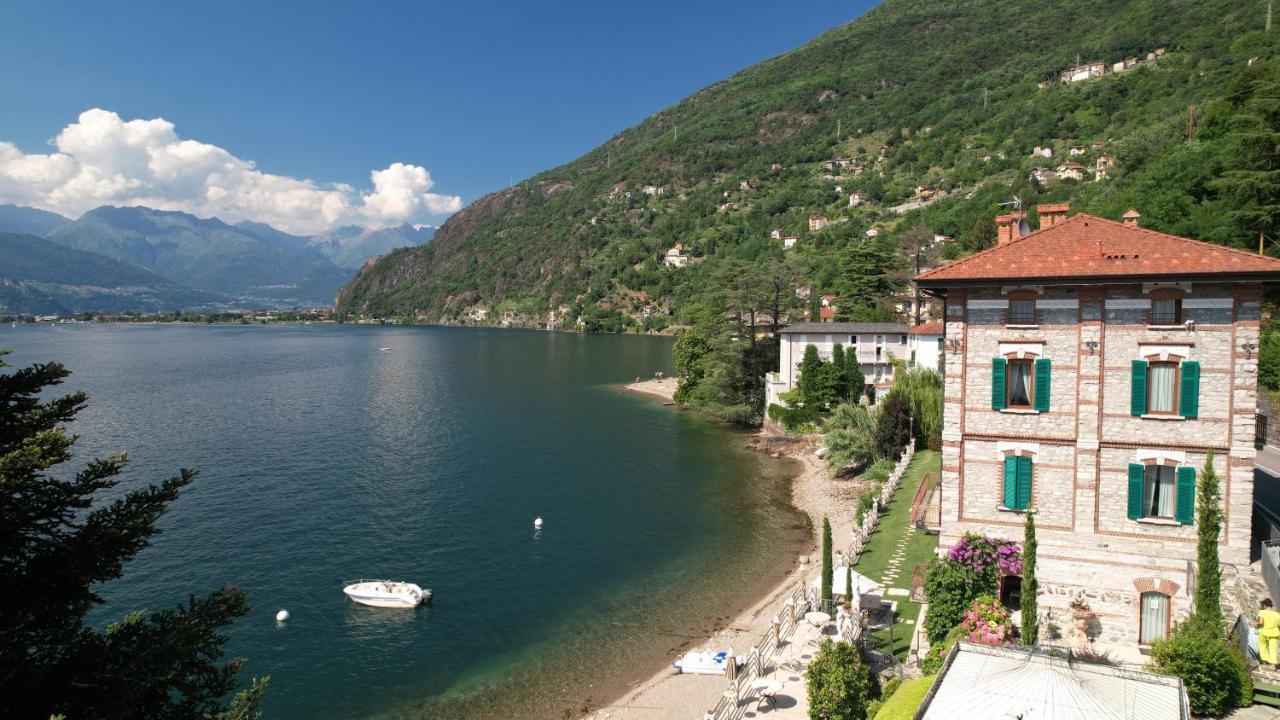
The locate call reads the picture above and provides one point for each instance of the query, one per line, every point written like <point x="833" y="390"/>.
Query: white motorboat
<point x="386" y="593"/>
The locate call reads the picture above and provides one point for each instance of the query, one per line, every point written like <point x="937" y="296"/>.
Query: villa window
<point x="1017" y="482"/>
<point x="1165" y="388"/>
<point x="1020" y="383"/>
<point x="1022" y="312"/>
<point x="1166" y="311"/>
<point x="1162" y="492"/>
<point x="1155" y="617"/>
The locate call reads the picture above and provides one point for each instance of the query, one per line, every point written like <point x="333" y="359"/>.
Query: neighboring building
<point x="653" y="190"/>
<point x="1091" y="367"/>
<point x="789" y="241"/>
<point x="775" y="166"/>
<point x="978" y="682"/>
<point x="1083" y="72"/>
<point x="1038" y="151"/>
<point x="775" y="234"/>
<point x="1076" y="150"/>
<point x="925" y="345"/>
<point x="873" y="344"/>
<point x="855" y="199"/>
<point x="676" y="257"/>
<point x="818" y="222"/>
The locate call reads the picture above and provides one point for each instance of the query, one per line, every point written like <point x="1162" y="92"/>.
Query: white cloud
<point x="102" y="159"/>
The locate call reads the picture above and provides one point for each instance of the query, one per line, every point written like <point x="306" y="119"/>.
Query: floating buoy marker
<point x="537" y="523"/>
<point x="282" y="616"/>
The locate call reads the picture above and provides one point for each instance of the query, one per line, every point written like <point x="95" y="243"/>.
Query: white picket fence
<point x="800" y="601"/>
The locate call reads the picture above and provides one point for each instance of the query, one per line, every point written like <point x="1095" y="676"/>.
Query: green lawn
<point x="893" y="526"/>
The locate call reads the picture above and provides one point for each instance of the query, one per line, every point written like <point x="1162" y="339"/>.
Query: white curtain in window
<point x="1155" y="617"/>
<point x="1019" y="383"/>
<point x="1157" y="496"/>
<point x="1161" y="379"/>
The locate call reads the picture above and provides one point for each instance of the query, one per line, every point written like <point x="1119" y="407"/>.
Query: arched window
<point x="1154" y="624"/>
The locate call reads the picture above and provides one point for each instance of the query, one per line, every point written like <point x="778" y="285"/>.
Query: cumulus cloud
<point x="102" y="159"/>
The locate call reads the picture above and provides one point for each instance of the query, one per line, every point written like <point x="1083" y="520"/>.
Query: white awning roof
<point x="989" y="683"/>
<point x="864" y="584"/>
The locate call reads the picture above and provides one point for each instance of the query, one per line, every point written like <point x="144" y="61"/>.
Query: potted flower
<point x="1080" y="607"/>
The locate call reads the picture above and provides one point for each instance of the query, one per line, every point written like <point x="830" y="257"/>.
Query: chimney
<point x="1051" y="215"/>
<point x="1131" y="217"/>
<point x="1008" y="227"/>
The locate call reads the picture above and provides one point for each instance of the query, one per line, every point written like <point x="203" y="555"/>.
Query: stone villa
<point x="1091" y="367"/>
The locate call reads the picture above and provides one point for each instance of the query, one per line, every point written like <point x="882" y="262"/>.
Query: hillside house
<point x="873" y="344"/>
<point x="1091" y="367"/>
<point x="775" y="166"/>
<point x="1070" y="171"/>
<point x="653" y="190"/>
<point x="855" y="199"/>
<point x="818" y="222"/>
<point x="872" y="232"/>
<point x="676" y="256"/>
<point x="790" y="241"/>
<point x="775" y="234"/>
<point x="1076" y="150"/>
<point x="1103" y="165"/>
<point x="744" y="185"/>
<point x="1083" y="72"/>
<point x="827" y="308"/>
<point x="1038" y="151"/>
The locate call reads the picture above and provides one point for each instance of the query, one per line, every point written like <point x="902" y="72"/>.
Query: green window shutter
<point x="1186" y="510"/>
<point x="1138" y="389"/>
<point x="1042" y="384"/>
<point x="1136" y="471"/>
<point x="1010" y="481"/>
<point x="1189" y="400"/>
<point x="1024" y="483"/>
<point x="997" y="383"/>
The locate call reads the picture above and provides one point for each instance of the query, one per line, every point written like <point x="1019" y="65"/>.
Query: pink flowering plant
<point x="983" y="554"/>
<point x="987" y="622"/>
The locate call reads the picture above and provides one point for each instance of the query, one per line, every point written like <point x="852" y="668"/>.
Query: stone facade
<point x="1083" y="444"/>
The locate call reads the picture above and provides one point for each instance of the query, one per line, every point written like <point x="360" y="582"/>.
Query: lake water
<point x="323" y="458"/>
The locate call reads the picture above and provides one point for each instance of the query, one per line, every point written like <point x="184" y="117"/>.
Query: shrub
<point x="893" y="425"/>
<point x="840" y="685"/>
<point x="792" y="418"/>
<point x="880" y="470"/>
<point x="904" y="703"/>
<point x="987" y="556"/>
<point x="1214" y="672"/>
<point x="867" y="501"/>
<point x="950" y="589"/>
<point x="937" y="654"/>
<point x="987" y="621"/>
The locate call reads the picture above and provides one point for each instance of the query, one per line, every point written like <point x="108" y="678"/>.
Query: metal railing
<point x="1271" y="567"/>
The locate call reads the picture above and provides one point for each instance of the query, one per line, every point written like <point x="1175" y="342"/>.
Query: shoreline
<point x="663" y="389"/>
<point x="667" y="695"/>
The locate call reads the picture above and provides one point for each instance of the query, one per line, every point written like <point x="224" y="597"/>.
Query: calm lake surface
<point x="323" y="458"/>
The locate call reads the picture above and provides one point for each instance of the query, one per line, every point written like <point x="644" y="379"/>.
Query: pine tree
<point x="1030" y="586"/>
<point x="1208" y="603"/>
<point x="59" y="541"/>
<point x="826" y="560"/>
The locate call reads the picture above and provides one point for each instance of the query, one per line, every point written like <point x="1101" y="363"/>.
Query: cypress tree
<point x="1030" y="608"/>
<point x="837" y="372"/>
<point x="826" y="558"/>
<point x="1208" y="603"/>
<point x="848" y="582"/>
<point x="810" y="381"/>
<point x="854" y="380"/>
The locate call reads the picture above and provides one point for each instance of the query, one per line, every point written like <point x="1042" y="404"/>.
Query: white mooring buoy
<point x="537" y="522"/>
<point x="282" y="616"/>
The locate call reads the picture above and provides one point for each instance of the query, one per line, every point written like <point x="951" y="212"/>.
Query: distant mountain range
<point x="41" y="277"/>
<point x="135" y="258"/>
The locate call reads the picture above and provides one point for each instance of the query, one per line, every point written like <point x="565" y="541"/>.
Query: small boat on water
<point x="386" y="593"/>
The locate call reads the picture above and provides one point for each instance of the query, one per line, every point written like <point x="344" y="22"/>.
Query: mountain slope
<point x="42" y="277"/>
<point x="18" y="219"/>
<point x="936" y="107"/>
<point x="207" y="255"/>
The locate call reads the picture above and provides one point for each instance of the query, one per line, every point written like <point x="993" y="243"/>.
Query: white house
<point x="924" y="346"/>
<point x="775" y="234"/>
<point x="789" y="241"/>
<point x="675" y="257"/>
<point x="873" y="344"/>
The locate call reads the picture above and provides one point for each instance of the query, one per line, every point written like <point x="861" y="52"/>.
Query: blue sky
<point x="475" y="94"/>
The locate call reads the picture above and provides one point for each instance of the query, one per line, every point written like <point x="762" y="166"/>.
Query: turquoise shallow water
<point x="324" y="458"/>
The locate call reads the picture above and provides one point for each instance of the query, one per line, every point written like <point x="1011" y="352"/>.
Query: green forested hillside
<point x="923" y="101"/>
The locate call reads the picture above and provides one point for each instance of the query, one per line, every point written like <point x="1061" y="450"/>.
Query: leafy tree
<point x="923" y="390"/>
<point x="1214" y="672"/>
<point x="1030" y="586"/>
<point x="839" y="684"/>
<point x="1208" y="603"/>
<point x="59" y="541"/>
<point x="893" y="425"/>
<point x="826" y="560"/>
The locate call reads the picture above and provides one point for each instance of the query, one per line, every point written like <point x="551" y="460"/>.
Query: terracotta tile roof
<point x="1089" y="248"/>
<point x="933" y="327"/>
